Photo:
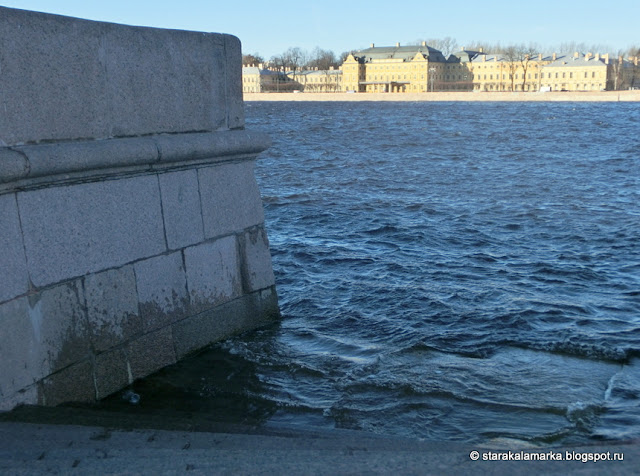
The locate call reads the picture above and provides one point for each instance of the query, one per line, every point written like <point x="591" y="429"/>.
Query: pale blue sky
<point x="270" y="27"/>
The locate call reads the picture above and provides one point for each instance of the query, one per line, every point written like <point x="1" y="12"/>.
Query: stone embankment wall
<point x="131" y="225"/>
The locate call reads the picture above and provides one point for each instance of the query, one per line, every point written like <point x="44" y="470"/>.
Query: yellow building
<point x="422" y="69"/>
<point x="577" y="72"/>
<point x="256" y="79"/>
<point x="319" y="81"/>
<point x="393" y="69"/>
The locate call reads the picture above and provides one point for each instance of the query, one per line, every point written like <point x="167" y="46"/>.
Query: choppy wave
<point x="448" y="271"/>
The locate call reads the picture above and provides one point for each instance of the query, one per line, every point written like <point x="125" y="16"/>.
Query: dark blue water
<point x="451" y="271"/>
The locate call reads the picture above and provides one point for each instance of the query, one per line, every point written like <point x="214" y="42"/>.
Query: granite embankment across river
<point x="596" y="96"/>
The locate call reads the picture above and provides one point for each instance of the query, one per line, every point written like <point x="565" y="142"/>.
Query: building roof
<point x="405" y="53"/>
<point x="247" y="70"/>
<point x="581" y="61"/>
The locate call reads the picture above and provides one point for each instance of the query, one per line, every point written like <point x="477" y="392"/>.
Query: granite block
<point x="112" y="307"/>
<point x="111" y="372"/>
<point x="26" y="396"/>
<point x="59" y="324"/>
<point x="213" y="273"/>
<point x="87" y="79"/>
<point x="256" y="260"/>
<point x="230" y="198"/>
<point x="72" y="384"/>
<point x="14" y="279"/>
<point x="71" y="231"/>
<point x="215" y="324"/>
<point x="233" y="72"/>
<point x="162" y="290"/>
<point x="151" y="352"/>
<point x="181" y="208"/>
<point x="19" y="355"/>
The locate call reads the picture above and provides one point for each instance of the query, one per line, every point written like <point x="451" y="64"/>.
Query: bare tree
<point x="294" y="58"/>
<point x="511" y="55"/>
<point x="322" y="59"/>
<point x="446" y="45"/>
<point x="254" y="59"/>
<point x="526" y="54"/>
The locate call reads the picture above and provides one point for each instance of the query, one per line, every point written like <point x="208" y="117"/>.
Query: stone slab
<point x="151" y="352"/>
<point x="181" y="208"/>
<point x="111" y="372"/>
<point x="112" y="307"/>
<point x="256" y="260"/>
<point x="71" y="231"/>
<point x="230" y="198"/>
<point x="60" y="331"/>
<point x="18" y="348"/>
<point x="78" y="79"/>
<point x="213" y="273"/>
<point x="26" y="396"/>
<point x="162" y="290"/>
<point x="215" y="324"/>
<point x="41" y="334"/>
<point x="14" y="279"/>
<point x="74" y="383"/>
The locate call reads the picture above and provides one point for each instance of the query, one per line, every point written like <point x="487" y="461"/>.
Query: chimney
<point x="606" y="58"/>
<point x="554" y="57"/>
<point x="484" y="58"/>
<point x="597" y="58"/>
<point x="587" y="57"/>
<point x="373" y="45"/>
<point x="398" y="45"/>
<point x="576" y="54"/>
<point x="539" y="56"/>
<point x="462" y="48"/>
<point x="481" y="49"/>
<point x="424" y="43"/>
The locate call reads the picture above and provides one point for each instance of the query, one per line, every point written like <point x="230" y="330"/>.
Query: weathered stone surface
<point x="256" y="263"/>
<point x="218" y="323"/>
<point x="111" y="372"/>
<point x="59" y="324"/>
<point x="72" y="384"/>
<point x="213" y="273"/>
<point x="162" y="290"/>
<point x="13" y="165"/>
<point x="112" y="307"/>
<point x="26" y="396"/>
<point x="181" y="208"/>
<point x="233" y="72"/>
<point x="66" y="157"/>
<point x="18" y="348"/>
<point x="14" y="279"/>
<point x="108" y="80"/>
<point x="151" y="352"/>
<point x="129" y="210"/>
<point x="75" y="230"/>
<point x="230" y="198"/>
<point x="40" y="335"/>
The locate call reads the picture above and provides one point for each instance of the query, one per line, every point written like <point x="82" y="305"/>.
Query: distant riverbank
<point x="596" y="96"/>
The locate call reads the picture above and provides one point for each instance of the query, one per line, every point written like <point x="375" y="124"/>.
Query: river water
<point x="446" y="271"/>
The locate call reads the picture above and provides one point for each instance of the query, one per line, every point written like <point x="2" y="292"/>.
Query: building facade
<point x="319" y="81"/>
<point x="257" y="79"/>
<point x="421" y="68"/>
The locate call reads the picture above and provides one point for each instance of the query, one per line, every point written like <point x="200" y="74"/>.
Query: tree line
<point x="296" y="59"/>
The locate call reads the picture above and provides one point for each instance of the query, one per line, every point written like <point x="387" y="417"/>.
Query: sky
<point x="270" y="27"/>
